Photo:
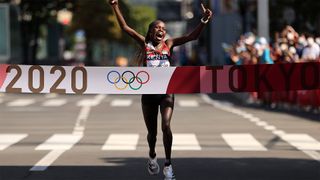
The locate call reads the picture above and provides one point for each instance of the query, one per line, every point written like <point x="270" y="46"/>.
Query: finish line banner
<point x="170" y="80"/>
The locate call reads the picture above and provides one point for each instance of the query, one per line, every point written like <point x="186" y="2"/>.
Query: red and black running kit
<point x="158" y="58"/>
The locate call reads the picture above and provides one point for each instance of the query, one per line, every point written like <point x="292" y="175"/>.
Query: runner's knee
<point x="166" y="128"/>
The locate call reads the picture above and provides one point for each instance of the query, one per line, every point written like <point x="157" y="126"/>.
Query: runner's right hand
<point x="113" y="2"/>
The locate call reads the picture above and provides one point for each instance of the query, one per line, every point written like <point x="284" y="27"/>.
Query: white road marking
<point x="121" y="142"/>
<point x="270" y="128"/>
<point x="248" y="116"/>
<point x="51" y="95"/>
<point x="307" y="142"/>
<point x="262" y="124"/>
<point x="58" y="144"/>
<point x="255" y="120"/>
<point x="7" y="140"/>
<point x="81" y="120"/>
<point x="87" y="102"/>
<point x="188" y="103"/>
<point x="84" y="113"/>
<point x="315" y="155"/>
<point x="54" y="102"/>
<point x="100" y="97"/>
<point x="121" y="103"/>
<point x="230" y="109"/>
<point x="21" y="102"/>
<point x="243" y="142"/>
<point x="185" y="142"/>
<point x="45" y="162"/>
<point x="278" y="132"/>
<point x="303" y="142"/>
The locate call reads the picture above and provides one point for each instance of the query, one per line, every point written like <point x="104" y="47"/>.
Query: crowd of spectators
<point x="287" y="46"/>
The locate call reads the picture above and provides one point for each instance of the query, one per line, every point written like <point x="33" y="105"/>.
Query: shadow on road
<point x="185" y="169"/>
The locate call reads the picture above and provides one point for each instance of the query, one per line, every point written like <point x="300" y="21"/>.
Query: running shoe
<point x="168" y="173"/>
<point x="153" y="166"/>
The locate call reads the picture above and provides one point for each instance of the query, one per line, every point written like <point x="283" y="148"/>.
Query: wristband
<point x="204" y="21"/>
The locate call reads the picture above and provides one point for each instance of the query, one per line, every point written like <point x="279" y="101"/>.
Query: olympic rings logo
<point x="128" y="79"/>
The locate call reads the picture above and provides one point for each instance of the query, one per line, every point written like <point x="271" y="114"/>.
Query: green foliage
<point x="143" y="16"/>
<point x="97" y="19"/>
<point x="91" y="16"/>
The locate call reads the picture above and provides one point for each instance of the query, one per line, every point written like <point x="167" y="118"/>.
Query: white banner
<point x="166" y="80"/>
<point x="84" y="80"/>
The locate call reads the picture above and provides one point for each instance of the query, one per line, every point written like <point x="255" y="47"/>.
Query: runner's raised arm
<point x="124" y="26"/>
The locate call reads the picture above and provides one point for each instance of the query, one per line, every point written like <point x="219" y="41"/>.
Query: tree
<point x="98" y="21"/>
<point x="95" y="17"/>
<point x="143" y="16"/>
<point x="34" y="14"/>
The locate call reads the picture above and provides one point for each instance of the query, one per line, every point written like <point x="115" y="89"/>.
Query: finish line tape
<point x="169" y="80"/>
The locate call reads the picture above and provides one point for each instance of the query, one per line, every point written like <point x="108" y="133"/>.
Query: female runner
<point x="157" y="53"/>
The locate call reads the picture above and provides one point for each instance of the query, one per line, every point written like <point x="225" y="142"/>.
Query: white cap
<point x="263" y="41"/>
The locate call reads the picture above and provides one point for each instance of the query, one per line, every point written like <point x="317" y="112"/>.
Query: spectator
<point x="301" y="44"/>
<point x="288" y="47"/>
<point x="312" y="51"/>
<point x="265" y="57"/>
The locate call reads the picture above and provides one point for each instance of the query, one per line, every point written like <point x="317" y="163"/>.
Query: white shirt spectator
<point x="311" y="51"/>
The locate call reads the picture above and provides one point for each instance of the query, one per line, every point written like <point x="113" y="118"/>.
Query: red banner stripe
<point x="184" y="80"/>
<point x="3" y="73"/>
<point x="247" y="78"/>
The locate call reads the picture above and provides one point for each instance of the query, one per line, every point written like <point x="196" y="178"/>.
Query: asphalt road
<point x="46" y="137"/>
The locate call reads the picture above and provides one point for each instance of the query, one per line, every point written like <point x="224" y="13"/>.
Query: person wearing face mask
<point x="302" y="43"/>
<point x="156" y="52"/>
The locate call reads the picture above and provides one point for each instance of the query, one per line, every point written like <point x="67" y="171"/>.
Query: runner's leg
<point x="150" y="114"/>
<point x="166" y="109"/>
